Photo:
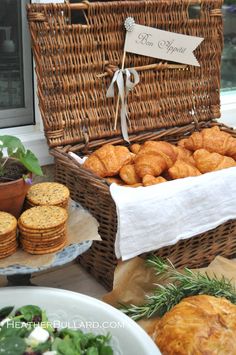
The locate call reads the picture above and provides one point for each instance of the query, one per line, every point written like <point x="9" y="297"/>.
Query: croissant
<point x="115" y="180"/>
<point x="181" y="143"/>
<point x="135" y="148"/>
<point x="185" y="155"/>
<point x="149" y="180"/>
<point x="213" y="140"/>
<point x="181" y="169"/>
<point x="207" y="162"/>
<point x="149" y="164"/>
<point x="108" y="160"/>
<point x="129" y="175"/>
<point x="154" y="157"/>
<point x="133" y="156"/>
<point x="198" y="325"/>
<point x="134" y="185"/>
<point x="165" y="149"/>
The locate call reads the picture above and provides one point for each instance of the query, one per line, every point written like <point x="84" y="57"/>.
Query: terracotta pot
<point x="12" y="196"/>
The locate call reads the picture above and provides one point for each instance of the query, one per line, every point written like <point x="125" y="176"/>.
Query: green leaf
<point x="10" y="152"/>
<point x="92" y="351"/>
<point x="7" y="332"/>
<point x="72" y="333"/>
<point x="44" y="317"/>
<point x="12" y="346"/>
<point x="43" y="347"/>
<point x="30" y="161"/>
<point x="4" y="312"/>
<point x="46" y="323"/>
<point x="29" y="312"/>
<point x="56" y="343"/>
<point x="11" y="142"/>
<point x="16" y="150"/>
<point x="106" y="350"/>
<point x="76" y="342"/>
<point x="13" y="330"/>
<point x="73" y="339"/>
<point x="67" y="347"/>
<point x="16" y="154"/>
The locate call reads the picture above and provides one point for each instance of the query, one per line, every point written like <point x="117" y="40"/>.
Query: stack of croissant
<point x="155" y="162"/>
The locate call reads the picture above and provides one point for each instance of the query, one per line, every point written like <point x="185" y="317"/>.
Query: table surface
<point x="63" y="257"/>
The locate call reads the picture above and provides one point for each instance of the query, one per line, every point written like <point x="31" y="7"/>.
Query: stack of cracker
<point x="8" y="241"/>
<point x="47" y="194"/>
<point x="43" y="229"/>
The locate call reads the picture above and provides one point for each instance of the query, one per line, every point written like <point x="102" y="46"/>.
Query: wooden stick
<point x="150" y="67"/>
<point x="118" y="98"/>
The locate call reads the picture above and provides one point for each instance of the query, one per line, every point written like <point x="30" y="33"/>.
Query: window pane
<point x="11" y="70"/>
<point x="15" y="65"/>
<point x="228" y="81"/>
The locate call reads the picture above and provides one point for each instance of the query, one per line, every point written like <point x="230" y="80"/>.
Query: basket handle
<point x="85" y="5"/>
<point x="79" y="6"/>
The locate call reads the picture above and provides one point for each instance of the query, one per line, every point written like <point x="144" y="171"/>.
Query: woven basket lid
<point x="75" y="64"/>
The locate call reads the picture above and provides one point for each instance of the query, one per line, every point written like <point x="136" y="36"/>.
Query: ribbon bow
<point x="124" y="86"/>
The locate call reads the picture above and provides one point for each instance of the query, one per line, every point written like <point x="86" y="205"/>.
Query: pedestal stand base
<point x="19" y="280"/>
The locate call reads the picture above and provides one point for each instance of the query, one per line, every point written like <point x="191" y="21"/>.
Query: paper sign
<point x="155" y="43"/>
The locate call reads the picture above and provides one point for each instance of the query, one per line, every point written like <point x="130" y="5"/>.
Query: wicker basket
<point x="74" y="67"/>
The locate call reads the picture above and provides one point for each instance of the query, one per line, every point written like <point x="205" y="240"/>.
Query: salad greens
<point x="16" y="328"/>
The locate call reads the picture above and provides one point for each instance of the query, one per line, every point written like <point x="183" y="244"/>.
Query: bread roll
<point x="198" y="325"/>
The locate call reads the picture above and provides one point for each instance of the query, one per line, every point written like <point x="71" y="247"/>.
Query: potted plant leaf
<point x="16" y="167"/>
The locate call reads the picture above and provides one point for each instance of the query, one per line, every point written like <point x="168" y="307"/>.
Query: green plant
<point x="12" y="147"/>
<point x="181" y="285"/>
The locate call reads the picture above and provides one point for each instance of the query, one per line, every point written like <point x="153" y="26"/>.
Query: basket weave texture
<point x="74" y="66"/>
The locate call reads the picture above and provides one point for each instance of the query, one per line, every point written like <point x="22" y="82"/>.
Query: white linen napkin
<point x="156" y="216"/>
<point x="77" y="158"/>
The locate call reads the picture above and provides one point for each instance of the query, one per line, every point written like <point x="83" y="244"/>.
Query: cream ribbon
<point x="124" y="86"/>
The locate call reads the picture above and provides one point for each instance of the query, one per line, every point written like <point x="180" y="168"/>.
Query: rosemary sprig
<point x="182" y="285"/>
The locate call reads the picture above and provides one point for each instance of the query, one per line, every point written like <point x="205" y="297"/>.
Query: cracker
<point x="48" y="193"/>
<point x="42" y="236"/>
<point x="8" y="236"/>
<point x="38" y="232"/>
<point x="64" y="204"/>
<point x="6" y="249"/>
<point x="2" y="256"/>
<point x="42" y="248"/>
<point x="7" y="241"/>
<point x="13" y="251"/>
<point x="43" y="218"/>
<point x="8" y="223"/>
<point x="9" y="247"/>
<point x="43" y="245"/>
<point x="42" y="239"/>
<point x="48" y="251"/>
<point x="8" y="252"/>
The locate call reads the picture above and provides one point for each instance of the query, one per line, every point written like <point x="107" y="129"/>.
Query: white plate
<point x="66" y="308"/>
